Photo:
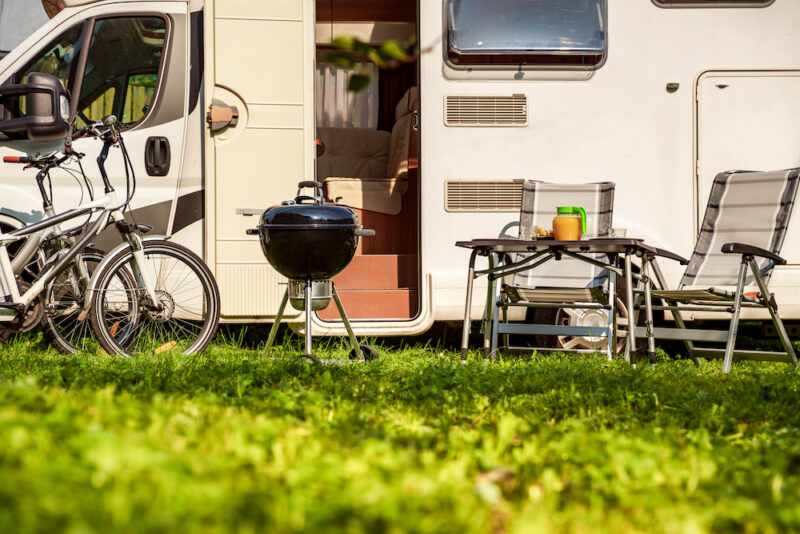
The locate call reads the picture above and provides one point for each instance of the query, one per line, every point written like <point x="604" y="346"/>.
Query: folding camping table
<point x="532" y="253"/>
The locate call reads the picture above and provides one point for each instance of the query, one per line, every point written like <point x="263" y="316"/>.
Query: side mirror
<point x="46" y="111"/>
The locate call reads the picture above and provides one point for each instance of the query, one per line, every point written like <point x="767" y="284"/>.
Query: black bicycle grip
<point x="16" y="159"/>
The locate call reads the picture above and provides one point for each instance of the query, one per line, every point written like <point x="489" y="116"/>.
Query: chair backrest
<point x="743" y="207"/>
<point x="539" y="203"/>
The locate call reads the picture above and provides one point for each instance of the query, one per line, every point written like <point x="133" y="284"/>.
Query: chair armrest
<point x="741" y="248"/>
<point x="670" y="255"/>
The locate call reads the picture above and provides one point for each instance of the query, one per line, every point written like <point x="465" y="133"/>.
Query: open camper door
<point x="751" y="121"/>
<point x="259" y="60"/>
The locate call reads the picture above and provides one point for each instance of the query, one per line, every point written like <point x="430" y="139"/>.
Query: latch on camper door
<point x="220" y="115"/>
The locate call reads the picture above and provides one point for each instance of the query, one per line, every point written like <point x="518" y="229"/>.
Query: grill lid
<point x="310" y="213"/>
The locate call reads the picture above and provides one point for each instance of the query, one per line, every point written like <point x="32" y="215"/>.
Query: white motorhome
<point x="655" y="95"/>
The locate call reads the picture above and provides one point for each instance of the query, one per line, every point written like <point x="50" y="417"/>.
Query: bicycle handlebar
<point x="17" y="159"/>
<point x="93" y="129"/>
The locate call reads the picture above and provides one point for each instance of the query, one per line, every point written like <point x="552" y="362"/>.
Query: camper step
<point x="379" y="271"/>
<point x="374" y="304"/>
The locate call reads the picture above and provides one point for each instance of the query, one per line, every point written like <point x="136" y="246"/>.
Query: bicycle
<point x="148" y="294"/>
<point x="56" y="312"/>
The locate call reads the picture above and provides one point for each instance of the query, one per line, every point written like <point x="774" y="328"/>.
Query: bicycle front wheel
<point x="184" y="317"/>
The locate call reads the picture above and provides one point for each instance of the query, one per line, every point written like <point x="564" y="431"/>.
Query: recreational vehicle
<point x="226" y="98"/>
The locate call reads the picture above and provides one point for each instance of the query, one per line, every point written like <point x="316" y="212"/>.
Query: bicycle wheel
<point x="65" y="325"/>
<point x="185" y="316"/>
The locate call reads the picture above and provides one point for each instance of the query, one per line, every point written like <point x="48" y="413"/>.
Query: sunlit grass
<point x="229" y="441"/>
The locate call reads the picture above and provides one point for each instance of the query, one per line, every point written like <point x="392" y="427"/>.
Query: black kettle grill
<point x="309" y="242"/>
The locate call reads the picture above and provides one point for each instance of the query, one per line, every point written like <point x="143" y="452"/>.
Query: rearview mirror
<point x="39" y="108"/>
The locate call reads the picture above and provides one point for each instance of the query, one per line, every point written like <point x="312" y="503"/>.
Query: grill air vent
<point x="486" y="110"/>
<point x="482" y="195"/>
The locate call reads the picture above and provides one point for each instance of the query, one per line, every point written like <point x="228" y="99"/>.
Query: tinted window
<point x="122" y="68"/>
<point x="58" y="58"/>
<point x="526" y="32"/>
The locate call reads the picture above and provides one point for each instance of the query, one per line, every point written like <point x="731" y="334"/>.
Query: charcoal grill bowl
<point x="310" y="241"/>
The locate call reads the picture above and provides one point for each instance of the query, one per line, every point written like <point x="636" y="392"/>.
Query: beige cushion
<point x="408" y="104"/>
<point x="368" y="169"/>
<point x="381" y="195"/>
<point x="353" y="152"/>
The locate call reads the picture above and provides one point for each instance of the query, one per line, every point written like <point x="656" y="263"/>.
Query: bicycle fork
<point x="140" y="271"/>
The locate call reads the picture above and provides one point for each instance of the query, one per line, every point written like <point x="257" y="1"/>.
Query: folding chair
<point x="742" y="230"/>
<point x="569" y="284"/>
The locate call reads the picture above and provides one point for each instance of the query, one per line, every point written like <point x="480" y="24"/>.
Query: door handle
<point x="157" y="156"/>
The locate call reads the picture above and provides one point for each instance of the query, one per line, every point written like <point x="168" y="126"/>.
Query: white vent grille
<point x="483" y="195"/>
<point x="486" y="110"/>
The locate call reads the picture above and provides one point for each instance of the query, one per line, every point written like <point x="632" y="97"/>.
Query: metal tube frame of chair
<point x="741" y="204"/>
<point x="688" y="335"/>
<point x="609" y="331"/>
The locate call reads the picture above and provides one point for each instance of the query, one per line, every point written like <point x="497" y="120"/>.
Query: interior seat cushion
<point x="353" y="152"/>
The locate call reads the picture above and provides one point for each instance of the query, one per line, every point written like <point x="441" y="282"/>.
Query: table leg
<point x="487" y="312"/>
<point x="468" y="306"/>
<point x="630" y="348"/>
<point x="651" y="342"/>
<point x="612" y="315"/>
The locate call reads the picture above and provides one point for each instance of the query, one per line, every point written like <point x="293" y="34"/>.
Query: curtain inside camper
<point x="336" y="107"/>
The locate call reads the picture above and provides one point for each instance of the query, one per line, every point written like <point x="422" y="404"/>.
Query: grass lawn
<point x="417" y="442"/>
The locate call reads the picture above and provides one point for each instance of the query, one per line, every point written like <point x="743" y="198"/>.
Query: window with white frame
<point x="544" y="33"/>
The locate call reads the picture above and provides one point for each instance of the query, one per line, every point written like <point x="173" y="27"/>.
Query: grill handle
<point x="317" y="186"/>
<point x="364" y="232"/>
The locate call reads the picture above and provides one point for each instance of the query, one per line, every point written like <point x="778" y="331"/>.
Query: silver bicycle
<point x="147" y="295"/>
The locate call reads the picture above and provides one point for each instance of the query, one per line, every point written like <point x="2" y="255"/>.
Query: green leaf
<point x="341" y="59"/>
<point x="345" y="42"/>
<point x="393" y="50"/>
<point x="358" y="82"/>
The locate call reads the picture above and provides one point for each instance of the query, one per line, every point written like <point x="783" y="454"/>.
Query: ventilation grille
<point x="486" y="110"/>
<point x="482" y="195"/>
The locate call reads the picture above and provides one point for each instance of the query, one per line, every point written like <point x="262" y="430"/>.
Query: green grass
<point x="417" y="442"/>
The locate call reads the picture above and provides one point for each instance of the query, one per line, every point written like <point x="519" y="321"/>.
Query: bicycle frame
<point x="8" y="285"/>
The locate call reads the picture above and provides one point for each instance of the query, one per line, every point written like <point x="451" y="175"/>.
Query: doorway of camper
<point x="370" y="161"/>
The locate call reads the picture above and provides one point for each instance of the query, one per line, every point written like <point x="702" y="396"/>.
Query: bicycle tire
<point x="185" y="287"/>
<point x="62" y="324"/>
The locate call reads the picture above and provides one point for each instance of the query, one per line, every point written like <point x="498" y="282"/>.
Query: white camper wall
<point x="620" y="124"/>
<point x="259" y="57"/>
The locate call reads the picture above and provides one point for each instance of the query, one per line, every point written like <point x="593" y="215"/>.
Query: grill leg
<point x="274" y="330"/>
<point x="308" y="319"/>
<point x="343" y="315"/>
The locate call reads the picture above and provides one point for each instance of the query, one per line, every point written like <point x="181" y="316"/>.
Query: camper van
<point x="226" y="99"/>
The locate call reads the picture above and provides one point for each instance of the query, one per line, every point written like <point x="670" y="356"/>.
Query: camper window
<point x="122" y="68"/>
<point x="58" y="58"/>
<point x="547" y="33"/>
<point x="713" y="3"/>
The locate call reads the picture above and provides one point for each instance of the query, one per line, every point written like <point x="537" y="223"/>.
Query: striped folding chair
<point x="738" y="246"/>
<point x="568" y="281"/>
